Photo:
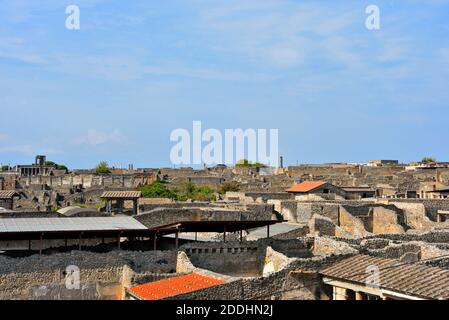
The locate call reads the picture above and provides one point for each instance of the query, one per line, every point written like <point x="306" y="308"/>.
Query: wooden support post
<point x="196" y="236"/>
<point x="241" y="235"/>
<point x="268" y="231"/>
<point x="79" y="242"/>
<point x="176" y="239"/>
<point x="135" y="207"/>
<point x="118" y="240"/>
<point x="40" y="243"/>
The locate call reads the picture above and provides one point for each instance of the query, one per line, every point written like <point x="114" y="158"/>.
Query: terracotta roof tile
<point x="173" y="286"/>
<point x="305" y="186"/>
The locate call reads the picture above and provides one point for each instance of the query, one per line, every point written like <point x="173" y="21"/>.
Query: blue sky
<point x="136" y="70"/>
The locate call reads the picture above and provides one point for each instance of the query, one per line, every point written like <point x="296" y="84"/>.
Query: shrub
<point x="102" y="168"/>
<point x="157" y="189"/>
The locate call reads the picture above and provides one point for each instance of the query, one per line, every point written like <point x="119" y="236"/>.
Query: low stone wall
<point x="232" y="258"/>
<point x="95" y="284"/>
<point x="431" y="205"/>
<point x="102" y="275"/>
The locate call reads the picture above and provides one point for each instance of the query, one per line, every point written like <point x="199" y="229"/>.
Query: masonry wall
<point x="298" y="281"/>
<point x="431" y="205"/>
<point x="233" y="259"/>
<point x="103" y="276"/>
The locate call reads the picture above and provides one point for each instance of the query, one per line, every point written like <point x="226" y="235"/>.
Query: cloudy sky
<point x="136" y="70"/>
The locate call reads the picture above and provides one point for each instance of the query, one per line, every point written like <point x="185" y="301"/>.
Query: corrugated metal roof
<point x="412" y="279"/>
<point x="121" y="194"/>
<point x="7" y="194"/>
<point x="275" y="229"/>
<point x="8" y="225"/>
<point x="305" y="186"/>
<point x="173" y="286"/>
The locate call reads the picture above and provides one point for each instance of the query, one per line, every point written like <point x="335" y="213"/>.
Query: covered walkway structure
<point x="364" y="277"/>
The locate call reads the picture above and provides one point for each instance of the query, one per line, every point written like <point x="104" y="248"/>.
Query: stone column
<point x="339" y="293"/>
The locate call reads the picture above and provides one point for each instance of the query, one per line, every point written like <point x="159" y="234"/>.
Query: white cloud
<point x="95" y="138"/>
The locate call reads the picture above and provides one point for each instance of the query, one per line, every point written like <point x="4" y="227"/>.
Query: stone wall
<point x="102" y="275"/>
<point x="299" y="280"/>
<point x="233" y="259"/>
<point x="431" y="205"/>
<point x="88" y="180"/>
<point x="164" y="216"/>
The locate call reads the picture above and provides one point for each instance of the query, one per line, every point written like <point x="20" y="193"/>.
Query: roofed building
<point x="438" y="193"/>
<point x="355" y="193"/>
<point x="315" y="187"/>
<point x="7" y="198"/>
<point x="363" y="277"/>
<point x="115" y="200"/>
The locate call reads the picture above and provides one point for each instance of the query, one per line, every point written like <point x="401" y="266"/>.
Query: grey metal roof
<point x="8" y="225"/>
<point x="275" y="229"/>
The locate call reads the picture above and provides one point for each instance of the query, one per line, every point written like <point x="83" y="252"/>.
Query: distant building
<point x="38" y="168"/>
<point x="380" y="163"/>
<point x="439" y="193"/>
<point x="355" y="193"/>
<point x="315" y="187"/>
<point x="7" y="198"/>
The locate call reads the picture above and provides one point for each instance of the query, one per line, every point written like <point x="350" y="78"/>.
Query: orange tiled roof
<point x="173" y="286"/>
<point x="305" y="186"/>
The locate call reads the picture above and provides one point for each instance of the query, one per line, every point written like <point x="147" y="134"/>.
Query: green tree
<point x="428" y="160"/>
<point x="57" y="166"/>
<point x="4" y="168"/>
<point x="246" y="163"/>
<point x="189" y="190"/>
<point x="102" y="168"/>
<point x="157" y="189"/>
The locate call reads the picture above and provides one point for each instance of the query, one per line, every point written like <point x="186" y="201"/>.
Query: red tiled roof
<point x="173" y="286"/>
<point x="305" y="186"/>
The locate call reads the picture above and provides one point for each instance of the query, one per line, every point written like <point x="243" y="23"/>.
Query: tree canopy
<point x="428" y="160"/>
<point x="102" y="168"/>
